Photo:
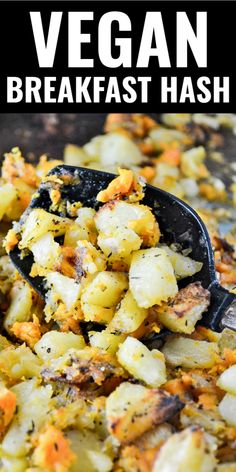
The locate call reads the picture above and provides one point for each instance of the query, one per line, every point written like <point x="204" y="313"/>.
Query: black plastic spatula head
<point x="179" y="224"/>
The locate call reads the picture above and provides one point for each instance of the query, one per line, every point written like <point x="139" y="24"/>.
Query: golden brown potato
<point x="133" y="409"/>
<point x="78" y="366"/>
<point x="151" y="277"/>
<point x="186" y="451"/>
<point x="180" y="351"/>
<point x="185" y="309"/>
<point x="40" y="222"/>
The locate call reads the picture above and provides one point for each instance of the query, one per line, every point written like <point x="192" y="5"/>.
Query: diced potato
<point x="183" y="266"/>
<point x="155" y="437"/>
<point x="114" y="215"/>
<point x="227" y="467"/>
<point x="54" y="344"/>
<point x="106" y="289"/>
<point x="24" y="194"/>
<point x="11" y="464"/>
<point x="105" y="340"/>
<point x="39" y="222"/>
<point x="184" y="452"/>
<point x="93" y="148"/>
<point x="151" y="277"/>
<point x="114" y="149"/>
<point x="169" y="184"/>
<point x="88" y="448"/>
<point x="185" y="309"/>
<point x="192" y="163"/>
<point x="227" y="340"/>
<point x="205" y="119"/>
<point x="63" y="288"/>
<point x="133" y="409"/>
<point x="100" y="461"/>
<point x="20" y="306"/>
<point x="190" y="187"/>
<point x="176" y="119"/>
<point x="4" y="342"/>
<point x="96" y="313"/>
<point x="91" y="259"/>
<point x="78" y="366"/>
<point x="83" y="228"/>
<point x="18" y="363"/>
<point x="117" y="149"/>
<point x="8" y="194"/>
<point x="86" y="221"/>
<point x="180" y="351"/>
<point x="119" y="244"/>
<point x="161" y="136"/>
<point x="164" y="169"/>
<point x="128" y="317"/>
<point x="142" y="364"/>
<point x="75" y="155"/>
<point x="46" y="251"/>
<point x="75" y="233"/>
<point x="34" y="402"/>
<point x="227" y="409"/>
<point x="227" y="380"/>
<point x="210" y="420"/>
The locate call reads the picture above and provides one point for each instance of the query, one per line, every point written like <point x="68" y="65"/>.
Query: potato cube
<point x="91" y="260"/>
<point x="54" y="344"/>
<point x="119" y="244"/>
<point x="183" y="266"/>
<point x="63" y="288"/>
<point x="227" y="409"/>
<point x="83" y="228"/>
<point x="142" y="364"/>
<point x="39" y="222"/>
<point x="209" y="420"/>
<point x="8" y="194"/>
<point x="128" y="317"/>
<point x="151" y="277"/>
<point x="96" y="313"/>
<point x="226" y="467"/>
<point x="133" y="409"/>
<point x="105" y="340"/>
<point x="160" y="136"/>
<point x="185" y="309"/>
<point x="227" y="380"/>
<point x="13" y="464"/>
<point x="176" y="119"/>
<point x="106" y="289"/>
<point x="88" y="449"/>
<point x="118" y="149"/>
<point x="18" y="363"/>
<point x="114" y="215"/>
<point x="185" y="451"/>
<point x="20" y="306"/>
<point x="180" y="351"/>
<point x="192" y="163"/>
<point x="46" y="251"/>
<point x="75" y="155"/>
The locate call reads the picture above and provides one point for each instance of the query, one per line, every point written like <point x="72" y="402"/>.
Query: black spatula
<point x="178" y="223"/>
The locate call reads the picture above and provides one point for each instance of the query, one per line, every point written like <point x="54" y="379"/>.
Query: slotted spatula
<point x="178" y="222"/>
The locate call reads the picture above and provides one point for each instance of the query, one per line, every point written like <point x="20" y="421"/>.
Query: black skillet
<point x="178" y="222"/>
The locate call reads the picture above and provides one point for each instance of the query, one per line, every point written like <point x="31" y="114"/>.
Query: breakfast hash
<point x="81" y="388"/>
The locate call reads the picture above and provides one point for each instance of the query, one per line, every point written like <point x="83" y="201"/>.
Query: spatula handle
<point x="222" y="312"/>
<point x="229" y="318"/>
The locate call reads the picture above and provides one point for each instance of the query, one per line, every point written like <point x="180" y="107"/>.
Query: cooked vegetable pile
<point x="83" y="388"/>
